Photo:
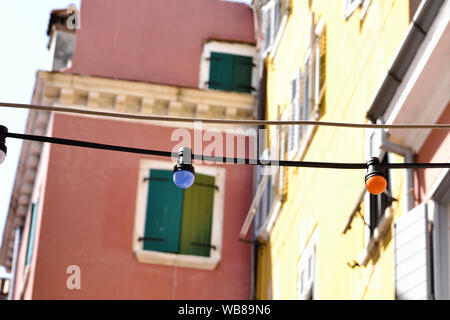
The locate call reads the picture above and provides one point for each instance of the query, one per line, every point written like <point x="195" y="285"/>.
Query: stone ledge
<point x="144" y="98"/>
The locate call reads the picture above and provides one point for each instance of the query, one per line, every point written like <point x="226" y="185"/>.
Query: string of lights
<point x="184" y="171"/>
<point x="226" y="160"/>
<point x="221" y="121"/>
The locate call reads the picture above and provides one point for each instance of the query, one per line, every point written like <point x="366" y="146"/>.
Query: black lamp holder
<point x="3" y="133"/>
<point x="184" y="160"/>
<point x="374" y="169"/>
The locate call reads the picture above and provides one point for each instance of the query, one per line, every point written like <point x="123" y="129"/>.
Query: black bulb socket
<point x="184" y="160"/>
<point x="3" y="133"/>
<point x="374" y="169"/>
<point x="183" y="166"/>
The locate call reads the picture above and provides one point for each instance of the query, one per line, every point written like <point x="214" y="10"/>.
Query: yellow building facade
<point x="326" y="63"/>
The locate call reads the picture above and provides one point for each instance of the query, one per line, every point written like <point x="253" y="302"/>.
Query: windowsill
<point x="178" y="260"/>
<point x="229" y="91"/>
<point x="377" y="237"/>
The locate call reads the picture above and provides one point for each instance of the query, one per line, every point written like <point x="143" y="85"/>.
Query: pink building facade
<point x="155" y="41"/>
<point x="87" y="205"/>
<point x="435" y="149"/>
<point x="93" y="224"/>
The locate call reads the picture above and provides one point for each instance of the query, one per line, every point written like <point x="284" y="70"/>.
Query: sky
<point x="23" y="34"/>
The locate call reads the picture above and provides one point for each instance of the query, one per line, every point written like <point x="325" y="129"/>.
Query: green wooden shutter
<point x="31" y="232"/>
<point x="197" y="217"/>
<point x="164" y="204"/>
<point x="220" y="71"/>
<point x="242" y="74"/>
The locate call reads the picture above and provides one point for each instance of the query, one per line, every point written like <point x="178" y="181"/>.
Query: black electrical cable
<point x="85" y="144"/>
<point x="227" y="160"/>
<point x="281" y="163"/>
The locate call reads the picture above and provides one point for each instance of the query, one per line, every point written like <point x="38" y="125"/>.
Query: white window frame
<point x="172" y="259"/>
<point x="318" y="33"/>
<point x="440" y="215"/>
<point x="307" y="265"/>
<point x="307" y="94"/>
<point x="306" y="132"/>
<point x="268" y="12"/>
<point x="240" y="49"/>
<point x="295" y="113"/>
<point x="350" y="6"/>
<point x="283" y="138"/>
<point x="364" y="9"/>
<point x="274" y="151"/>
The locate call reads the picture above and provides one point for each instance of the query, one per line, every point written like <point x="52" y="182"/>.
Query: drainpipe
<point x="408" y="154"/>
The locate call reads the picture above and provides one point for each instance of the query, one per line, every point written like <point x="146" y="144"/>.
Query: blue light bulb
<point x="184" y="172"/>
<point x="183" y="178"/>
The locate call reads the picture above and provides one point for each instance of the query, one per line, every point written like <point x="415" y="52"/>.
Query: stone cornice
<point x="145" y="98"/>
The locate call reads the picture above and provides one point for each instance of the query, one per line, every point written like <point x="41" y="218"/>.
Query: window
<point x="264" y="206"/>
<point x="179" y="220"/>
<point x="295" y="114"/>
<point x="306" y="99"/>
<point x="277" y="149"/>
<point x="375" y="205"/>
<point x="230" y="72"/>
<point x="31" y="232"/>
<point x="320" y="67"/>
<point x="176" y="226"/>
<point x="379" y="203"/>
<point x="308" y="92"/>
<point x="268" y="25"/>
<point x="228" y="66"/>
<point x="306" y="270"/>
<point x="268" y="179"/>
<point x="282" y="171"/>
<point x="299" y="109"/>
<point x="271" y="16"/>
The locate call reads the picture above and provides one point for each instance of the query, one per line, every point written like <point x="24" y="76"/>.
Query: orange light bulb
<point x="376" y="184"/>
